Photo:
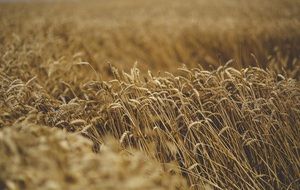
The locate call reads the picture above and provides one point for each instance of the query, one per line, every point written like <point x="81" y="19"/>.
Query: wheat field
<point x="134" y="95"/>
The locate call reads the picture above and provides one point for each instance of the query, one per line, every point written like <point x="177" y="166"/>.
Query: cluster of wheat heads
<point x="39" y="157"/>
<point x="232" y="129"/>
<point x="228" y="128"/>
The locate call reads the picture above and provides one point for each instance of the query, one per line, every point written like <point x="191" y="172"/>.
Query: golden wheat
<point x="212" y="123"/>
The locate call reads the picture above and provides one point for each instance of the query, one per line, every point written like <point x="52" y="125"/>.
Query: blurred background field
<point x="158" y="35"/>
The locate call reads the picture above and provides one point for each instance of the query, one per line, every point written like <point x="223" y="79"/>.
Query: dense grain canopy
<point x="95" y="95"/>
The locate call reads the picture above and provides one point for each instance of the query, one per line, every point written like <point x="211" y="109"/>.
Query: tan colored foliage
<point x="216" y="122"/>
<point x="38" y="157"/>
